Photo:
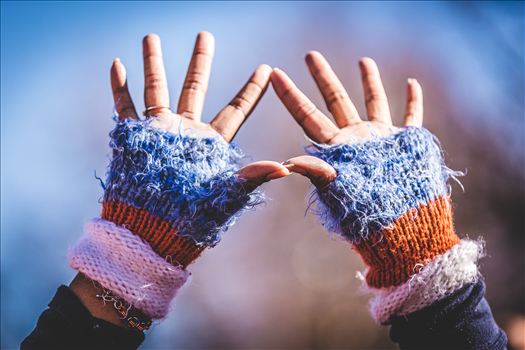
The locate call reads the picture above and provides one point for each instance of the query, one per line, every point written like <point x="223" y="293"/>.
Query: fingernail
<point x="312" y="52"/>
<point x="277" y="174"/>
<point x="288" y="165"/>
<point x="265" y="67"/>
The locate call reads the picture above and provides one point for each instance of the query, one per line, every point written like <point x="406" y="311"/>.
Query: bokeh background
<point x="277" y="280"/>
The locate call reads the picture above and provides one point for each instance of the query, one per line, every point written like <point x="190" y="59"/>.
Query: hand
<point x="189" y="111"/>
<point x="381" y="188"/>
<point x="348" y="125"/>
<point x="206" y="202"/>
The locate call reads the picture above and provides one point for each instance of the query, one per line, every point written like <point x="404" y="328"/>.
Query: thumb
<point x="318" y="171"/>
<point x="260" y="172"/>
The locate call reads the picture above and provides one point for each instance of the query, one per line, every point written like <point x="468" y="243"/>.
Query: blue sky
<point x="56" y="104"/>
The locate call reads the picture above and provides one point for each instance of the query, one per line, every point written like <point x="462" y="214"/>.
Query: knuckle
<point x="188" y="113"/>
<point x="154" y="75"/>
<point x="336" y="96"/>
<point x="255" y="85"/>
<point x="240" y="103"/>
<point x="155" y="84"/>
<point x="128" y="111"/>
<point x="203" y="53"/>
<point x="152" y="56"/>
<point x="286" y="93"/>
<point x="374" y="95"/>
<point x="155" y="79"/>
<point x="194" y="84"/>
<point x="305" y="111"/>
<point x="121" y="91"/>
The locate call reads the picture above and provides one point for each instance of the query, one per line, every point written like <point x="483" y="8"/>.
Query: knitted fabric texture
<point x="378" y="180"/>
<point x="123" y="263"/>
<point x="390" y="200"/>
<point x="416" y="237"/>
<point x="446" y="274"/>
<point x="178" y="192"/>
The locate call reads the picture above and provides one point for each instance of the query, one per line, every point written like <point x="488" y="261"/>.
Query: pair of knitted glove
<point x="170" y="196"/>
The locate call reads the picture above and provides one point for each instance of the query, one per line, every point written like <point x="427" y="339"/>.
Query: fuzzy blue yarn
<point x="379" y="180"/>
<point x="188" y="181"/>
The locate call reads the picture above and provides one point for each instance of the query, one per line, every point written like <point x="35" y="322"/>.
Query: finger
<point x="333" y="91"/>
<point x="318" y="171"/>
<point x="375" y="96"/>
<point x="155" y="84"/>
<point x="119" y="86"/>
<point x="414" y="108"/>
<point x="230" y="118"/>
<point x="260" y="172"/>
<point x="191" y="101"/>
<point x="315" y="124"/>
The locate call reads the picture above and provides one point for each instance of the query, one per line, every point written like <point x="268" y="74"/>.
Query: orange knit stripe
<point x="412" y="241"/>
<point x="163" y="238"/>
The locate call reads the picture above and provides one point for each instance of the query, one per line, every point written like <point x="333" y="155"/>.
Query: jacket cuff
<point x="440" y="278"/>
<point x="126" y="265"/>
<point x="68" y="324"/>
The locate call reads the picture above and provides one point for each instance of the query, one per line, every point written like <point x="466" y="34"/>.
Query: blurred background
<point x="277" y="280"/>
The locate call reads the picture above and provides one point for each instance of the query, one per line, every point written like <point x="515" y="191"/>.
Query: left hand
<point x="348" y="125"/>
<point x="191" y="102"/>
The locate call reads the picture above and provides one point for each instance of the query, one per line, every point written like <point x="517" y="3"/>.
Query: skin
<point x="346" y="123"/>
<point x="225" y="124"/>
<point x="347" y="126"/>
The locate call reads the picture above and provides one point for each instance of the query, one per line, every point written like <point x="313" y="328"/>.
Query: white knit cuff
<point x="123" y="263"/>
<point x="440" y="278"/>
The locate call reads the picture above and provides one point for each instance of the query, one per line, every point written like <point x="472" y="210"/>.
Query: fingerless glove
<point x="167" y="198"/>
<point x="391" y="201"/>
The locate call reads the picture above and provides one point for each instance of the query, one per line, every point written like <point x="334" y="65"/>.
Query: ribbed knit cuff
<point x="161" y="236"/>
<point x="414" y="239"/>
<point x="443" y="276"/>
<point x="123" y="263"/>
<point x="390" y="200"/>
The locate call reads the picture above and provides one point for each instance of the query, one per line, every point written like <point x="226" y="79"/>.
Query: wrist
<point x="86" y="291"/>
<point x="102" y="304"/>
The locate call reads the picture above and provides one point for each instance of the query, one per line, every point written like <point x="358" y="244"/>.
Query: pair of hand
<point x="348" y="124"/>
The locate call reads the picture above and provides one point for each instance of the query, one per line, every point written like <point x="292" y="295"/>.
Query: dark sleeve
<point x="460" y="321"/>
<point x="67" y="324"/>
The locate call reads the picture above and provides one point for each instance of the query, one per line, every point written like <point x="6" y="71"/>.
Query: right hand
<point x="348" y="127"/>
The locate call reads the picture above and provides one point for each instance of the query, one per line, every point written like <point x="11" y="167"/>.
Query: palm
<point x="191" y="101"/>
<point x="173" y="122"/>
<point x="361" y="132"/>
